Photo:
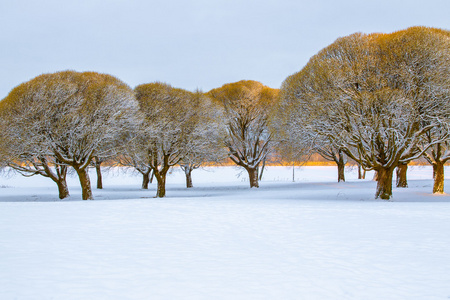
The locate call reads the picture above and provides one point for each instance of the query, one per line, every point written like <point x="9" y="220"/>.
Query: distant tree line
<point x="381" y="100"/>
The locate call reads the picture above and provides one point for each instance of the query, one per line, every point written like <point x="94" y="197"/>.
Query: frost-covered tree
<point x="63" y="119"/>
<point x="204" y="143"/>
<point x="375" y="96"/>
<point x="134" y="156"/>
<point x="173" y="120"/>
<point x="295" y="139"/>
<point x="247" y="106"/>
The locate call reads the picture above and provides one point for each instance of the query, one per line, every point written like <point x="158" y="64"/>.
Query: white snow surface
<point x="310" y="239"/>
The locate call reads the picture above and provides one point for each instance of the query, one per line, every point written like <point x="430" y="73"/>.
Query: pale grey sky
<point x="189" y="44"/>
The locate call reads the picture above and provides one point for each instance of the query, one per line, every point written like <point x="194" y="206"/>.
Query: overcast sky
<point x="189" y="44"/>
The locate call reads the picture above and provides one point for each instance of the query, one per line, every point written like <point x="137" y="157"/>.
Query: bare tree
<point x="133" y="156"/>
<point x="296" y="138"/>
<point x="204" y="142"/>
<point x="172" y="119"/>
<point x="68" y="116"/>
<point x="375" y="96"/>
<point x="247" y="106"/>
<point x="22" y="149"/>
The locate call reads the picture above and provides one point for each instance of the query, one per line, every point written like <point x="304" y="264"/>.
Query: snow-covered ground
<point x="309" y="239"/>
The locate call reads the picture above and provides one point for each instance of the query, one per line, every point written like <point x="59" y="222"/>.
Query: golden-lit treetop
<point x="67" y="86"/>
<point x="247" y="93"/>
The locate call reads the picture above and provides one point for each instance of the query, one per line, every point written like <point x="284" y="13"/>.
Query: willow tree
<point x="204" y="142"/>
<point x="247" y="106"/>
<point x="375" y="96"/>
<point x="295" y="140"/>
<point x="63" y="119"/>
<point x="173" y="121"/>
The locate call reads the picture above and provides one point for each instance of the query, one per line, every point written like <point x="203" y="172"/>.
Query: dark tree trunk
<point x="341" y="175"/>
<point x="161" y="190"/>
<point x="97" y="163"/>
<point x="145" y="180"/>
<point x="384" y="183"/>
<point x="253" y="176"/>
<point x="341" y="167"/>
<point x="361" y="172"/>
<point x="402" y="181"/>
<point x="438" y="171"/>
<point x="340" y="161"/>
<point x="188" y="173"/>
<point x="85" y="182"/>
<point x="62" y="188"/>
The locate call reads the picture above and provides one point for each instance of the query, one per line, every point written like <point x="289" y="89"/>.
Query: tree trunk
<point x="384" y="183"/>
<point x="161" y="191"/>
<point x="85" y="182"/>
<point x="188" y="173"/>
<point x="402" y="181"/>
<point x="253" y="176"/>
<point x="97" y="163"/>
<point x="438" y="171"/>
<point x="340" y="161"/>
<point x="361" y="172"/>
<point x="341" y="167"/>
<point x="62" y="188"/>
<point x="145" y="180"/>
<point x="341" y="175"/>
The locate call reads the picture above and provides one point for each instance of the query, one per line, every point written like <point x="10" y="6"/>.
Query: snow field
<point x="309" y="239"/>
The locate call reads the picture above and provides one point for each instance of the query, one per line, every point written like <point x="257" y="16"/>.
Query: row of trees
<point x="379" y="99"/>
<point x="71" y="119"/>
